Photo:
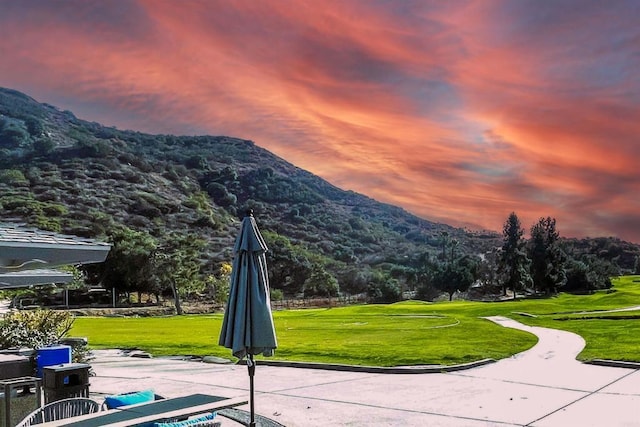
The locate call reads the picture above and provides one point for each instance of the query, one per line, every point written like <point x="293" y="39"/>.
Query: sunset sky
<point x="458" y="111"/>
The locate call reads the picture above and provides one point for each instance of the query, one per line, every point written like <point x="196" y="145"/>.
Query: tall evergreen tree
<point x="547" y="259"/>
<point x="514" y="262"/>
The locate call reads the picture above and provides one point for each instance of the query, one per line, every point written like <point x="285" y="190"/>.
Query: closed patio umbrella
<point x="247" y="328"/>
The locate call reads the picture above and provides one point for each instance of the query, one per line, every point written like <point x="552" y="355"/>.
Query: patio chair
<point x="59" y="410"/>
<point x="207" y="420"/>
<point x="206" y="423"/>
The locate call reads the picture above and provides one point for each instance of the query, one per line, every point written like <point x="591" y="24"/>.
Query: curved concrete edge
<point x="431" y="369"/>
<point x="374" y="369"/>
<point x="614" y="363"/>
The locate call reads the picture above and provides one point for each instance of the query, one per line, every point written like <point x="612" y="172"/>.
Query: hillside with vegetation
<point x="172" y="204"/>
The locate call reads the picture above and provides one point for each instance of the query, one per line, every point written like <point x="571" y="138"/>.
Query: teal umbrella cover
<point x="247" y="328"/>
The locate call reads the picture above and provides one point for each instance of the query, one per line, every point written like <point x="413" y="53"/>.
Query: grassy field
<point x="406" y="333"/>
<point x="609" y="335"/>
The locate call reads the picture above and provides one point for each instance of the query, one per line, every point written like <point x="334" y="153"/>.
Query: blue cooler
<point x="52" y="355"/>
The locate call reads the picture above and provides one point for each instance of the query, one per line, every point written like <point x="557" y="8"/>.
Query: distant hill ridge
<point x="155" y="182"/>
<point x="65" y="174"/>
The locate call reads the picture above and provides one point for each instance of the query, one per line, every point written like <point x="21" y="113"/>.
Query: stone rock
<point x="140" y="354"/>
<point x="214" y="359"/>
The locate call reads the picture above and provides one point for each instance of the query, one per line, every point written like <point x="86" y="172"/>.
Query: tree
<point x="589" y="273"/>
<point x="425" y="291"/>
<point x="454" y="246"/>
<point x="423" y="277"/>
<point x="547" y="259"/>
<point x="514" y="262"/>
<point x="383" y="289"/>
<point x="456" y="276"/>
<point x="43" y="146"/>
<point x="128" y="266"/>
<point x="289" y="265"/>
<point x="578" y="278"/>
<point x="177" y="264"/>
<point x="354" y="279"/>
<point x="444" y="240"/>
<point x="320" y="283"/>
<point x="13" y="135"/>
<point x="488" y="276"/>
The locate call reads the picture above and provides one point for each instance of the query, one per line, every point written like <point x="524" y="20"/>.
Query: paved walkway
<point x="543" y="386"/>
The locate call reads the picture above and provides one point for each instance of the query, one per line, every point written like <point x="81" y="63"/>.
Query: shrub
<point x="320" y="283"/>
<point x="43" y="146"/>
<point x="34" y="329"/>
<point x="219" y="284"/>
<point x="54" y="209"/>
<point x="427" y="292"/>
<point x="13" y="177"/>
<point x="386" y="292"/>
<point x="13" y="135"/>
<point x="276" y="295"/>
<point x="47" y="223"/>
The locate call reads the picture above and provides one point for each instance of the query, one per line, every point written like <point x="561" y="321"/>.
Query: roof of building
<point x="23" y="248"/>
<point x="20" y="279"/>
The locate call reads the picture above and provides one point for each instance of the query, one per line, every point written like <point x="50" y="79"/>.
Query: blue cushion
<point x="187" y="423"/>
<point x="119" y="400"/>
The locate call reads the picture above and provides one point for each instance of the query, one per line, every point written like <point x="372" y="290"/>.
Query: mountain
<point x="64" y="174"/>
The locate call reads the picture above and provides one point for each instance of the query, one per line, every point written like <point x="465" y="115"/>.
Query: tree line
<point x="171" y="220"/>
<point x="173" y="267"/>
<point x="540" y="265"/>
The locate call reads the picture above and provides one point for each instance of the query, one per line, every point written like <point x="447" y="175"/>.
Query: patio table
<point x="143" y="413"/>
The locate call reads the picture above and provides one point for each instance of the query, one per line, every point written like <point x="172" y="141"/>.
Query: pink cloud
<point x="460" y="112"/>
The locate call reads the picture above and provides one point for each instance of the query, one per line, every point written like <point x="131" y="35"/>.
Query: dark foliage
<point x="514" y="263"/>
<point x="547" y="259"/>
<point x="60" y="173"/>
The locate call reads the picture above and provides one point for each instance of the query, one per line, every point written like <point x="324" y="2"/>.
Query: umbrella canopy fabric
<point x="247" y="328"/>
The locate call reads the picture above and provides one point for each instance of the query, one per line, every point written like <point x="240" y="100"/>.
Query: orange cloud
<point x="459" y="112"/>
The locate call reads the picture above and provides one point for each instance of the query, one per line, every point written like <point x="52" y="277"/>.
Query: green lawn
<point x="406" y="333"/>
<point x="609" y="335"/>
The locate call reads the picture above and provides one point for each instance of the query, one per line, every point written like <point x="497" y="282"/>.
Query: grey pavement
<point x="543" y="386"/>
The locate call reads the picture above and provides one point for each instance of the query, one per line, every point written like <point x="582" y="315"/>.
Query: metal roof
<point x="24" y="248"/>
<point x="20" y="279"/>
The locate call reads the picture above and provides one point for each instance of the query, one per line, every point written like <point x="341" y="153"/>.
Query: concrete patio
<point x="544" y="386"/>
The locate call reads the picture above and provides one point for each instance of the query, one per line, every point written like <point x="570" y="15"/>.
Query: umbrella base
<point x="243" y="417"/>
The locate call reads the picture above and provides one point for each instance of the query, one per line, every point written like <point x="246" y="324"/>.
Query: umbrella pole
<point x="252" y="370"/>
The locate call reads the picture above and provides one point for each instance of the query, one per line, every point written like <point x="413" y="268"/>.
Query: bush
<point x="426" y="292"/>
<point x="34" y="329"/>
<point x="276" y="295"/>
<point x="320" y="283"/>
<point x="13" y="177"/>
<point x="13" y="135"/>
<point x="386" y="292"/>
<point x="43" y="146"/>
